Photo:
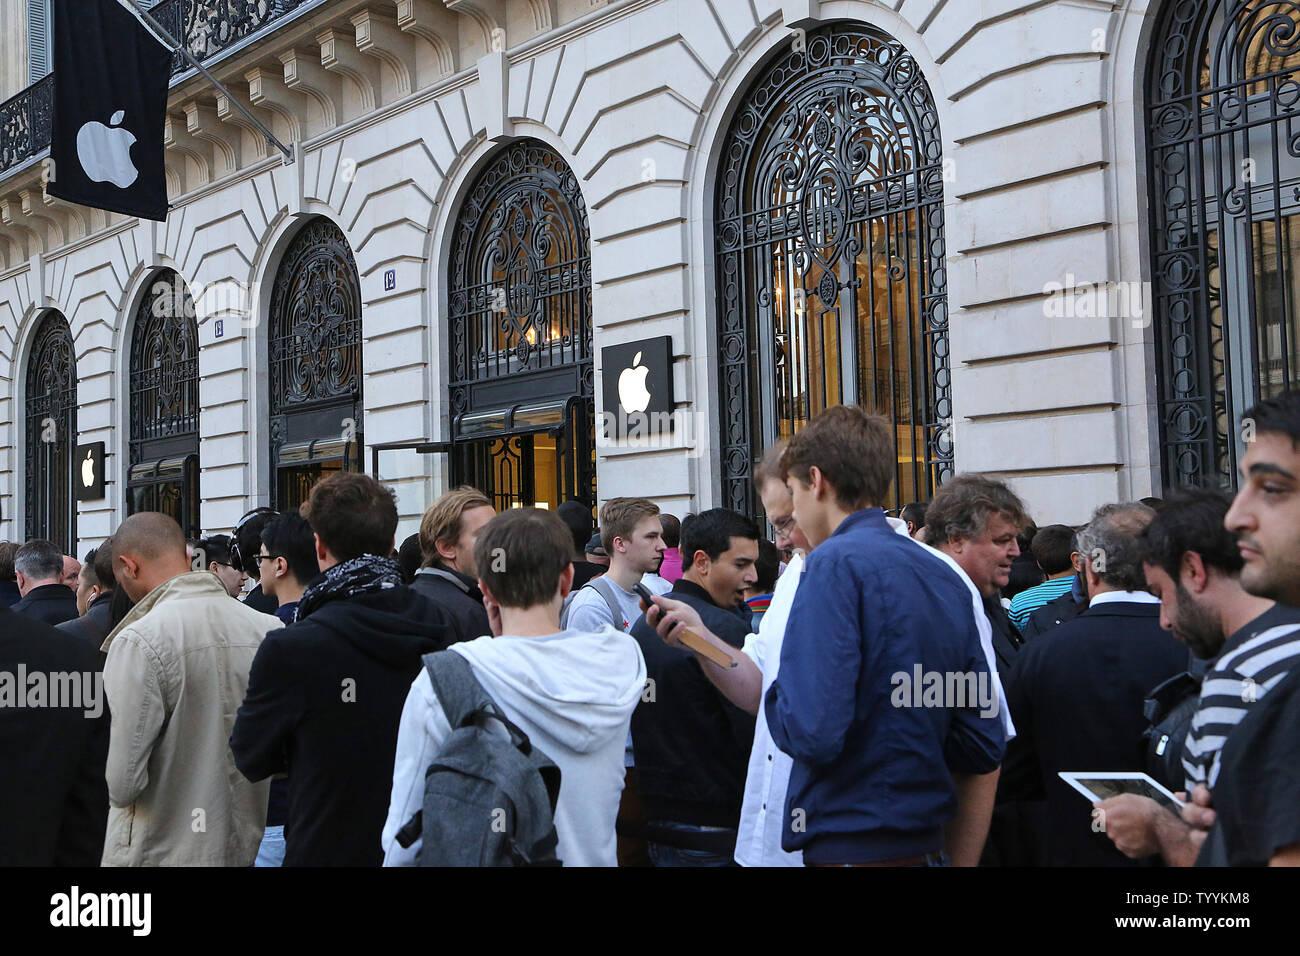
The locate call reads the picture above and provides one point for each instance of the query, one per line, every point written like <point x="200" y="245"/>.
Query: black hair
<point x="1281" y="414"/>
<point x="248" y="535"/>
<point x="1192" y="520"/>
<point x="767" y="566"/>
<point x="915" y="513"/>
<point x="410" y="557"/>
<point x="290" y="536"/>
<point x="577" y="517"/>
<point x="711" y="532"/>
<point x="1025" y="574"/>
<point x="672" y="529"/>
<point x="215" y="548"/>
<point x="1052" y="548"/>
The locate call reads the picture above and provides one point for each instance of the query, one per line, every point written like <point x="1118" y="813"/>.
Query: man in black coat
<point x="1057" y="611"/>
<point x="690" y="743"/>
<point x="54" y="799"/>
<point x="448" y="578"/>
<point x="39" y="568"/>
<point x="325" y="694"/>
<point x="1076" y="693"/>
<point x="94" y="599"/>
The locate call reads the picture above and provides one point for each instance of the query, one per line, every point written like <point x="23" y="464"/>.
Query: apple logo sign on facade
<point x="105" y="152"/>
<point x="88" y="469"/>
<point x="631" y="387"/>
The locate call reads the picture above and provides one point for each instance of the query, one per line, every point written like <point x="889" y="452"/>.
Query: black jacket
<point x="93" y="626"/>
<point x="459" y="596"/>
<point x="51" y="603"/>
<point x="1006" y="639"/>
<point x="690" y="743"/>
<point x="1076" y="696"/>
<point x="9" y="593"/>
<point x="54" y="799"/>
<point x="1053" y="613"/>
<point x="260" y="601"/>
<point x="325" y="697"/>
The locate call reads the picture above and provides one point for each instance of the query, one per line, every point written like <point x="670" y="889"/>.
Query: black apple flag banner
<point x="111" y="76"/>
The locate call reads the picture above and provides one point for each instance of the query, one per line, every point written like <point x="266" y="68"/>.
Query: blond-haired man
<point x="449" y="578"/>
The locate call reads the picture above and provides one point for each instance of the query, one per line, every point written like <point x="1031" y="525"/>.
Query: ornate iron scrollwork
<point x="1223" y="127"/>
<point x="164" y="389"/>
<point x="315" y="378"/>
<point x="51" y="406"/>
<point x="519" y="288"/>
<point x="315" y="321"/>
<point x="830" y="251"/>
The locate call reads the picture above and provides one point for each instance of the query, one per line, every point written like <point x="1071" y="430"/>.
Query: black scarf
<point x="360" y="575"/>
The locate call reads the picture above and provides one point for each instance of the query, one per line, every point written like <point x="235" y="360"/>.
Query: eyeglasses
<point x="784" y="528"/>
<point x="259" y="558"/>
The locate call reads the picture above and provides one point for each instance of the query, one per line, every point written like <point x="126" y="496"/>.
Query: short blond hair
<point x="620" y="516"/>
<point x="443" y="520"/>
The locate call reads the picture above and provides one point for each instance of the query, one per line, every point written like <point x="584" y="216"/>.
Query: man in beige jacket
<point x="176" y="672"/>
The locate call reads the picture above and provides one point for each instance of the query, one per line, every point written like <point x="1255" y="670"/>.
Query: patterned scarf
<point x="360" y="575"/>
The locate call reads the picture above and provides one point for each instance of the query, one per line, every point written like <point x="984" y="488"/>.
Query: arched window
<point x="315" y="354"/>
<point x="1223" y="131"/>
<point x="164" y="404"/>
<point x="830" y="256"/>
<point x="520" y="302"/>
<point x="51" y="401"/>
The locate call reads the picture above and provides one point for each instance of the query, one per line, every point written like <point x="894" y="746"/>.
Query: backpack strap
<point x="602" y="587"/>
<point x="458" y="690"/>
<point x="463" y="698"/>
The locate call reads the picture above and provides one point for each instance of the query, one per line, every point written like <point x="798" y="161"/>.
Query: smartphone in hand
<point x="688" y="637"/>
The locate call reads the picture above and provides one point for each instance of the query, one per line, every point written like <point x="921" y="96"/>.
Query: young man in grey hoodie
<point x="572" y="692"/>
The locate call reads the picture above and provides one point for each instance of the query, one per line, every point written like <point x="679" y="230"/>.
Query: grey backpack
<point x="488" y="800"/>
<point x="601" y="587"/>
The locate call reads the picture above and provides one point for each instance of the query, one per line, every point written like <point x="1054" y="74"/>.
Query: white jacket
<point x="573" y="694"/>
<point x="176" y="673"/>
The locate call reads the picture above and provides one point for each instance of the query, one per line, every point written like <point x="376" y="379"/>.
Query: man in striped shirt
<point x="1256" y="819"/>
<point x="1052" y="548"/>
<point x="1194" y="565"/>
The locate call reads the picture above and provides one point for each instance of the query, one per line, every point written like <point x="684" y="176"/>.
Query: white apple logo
<point x="105" y="152"/>
<point x="88" y="470"/>
<point x="631" y="387"/>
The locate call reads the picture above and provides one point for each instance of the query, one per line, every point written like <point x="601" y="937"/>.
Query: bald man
<point x="178" y="664"/>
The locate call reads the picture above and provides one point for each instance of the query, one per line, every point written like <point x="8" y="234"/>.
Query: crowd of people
<point x="533" y="687"/>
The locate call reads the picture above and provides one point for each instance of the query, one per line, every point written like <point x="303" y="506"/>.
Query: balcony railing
<point x="206" y="27"/>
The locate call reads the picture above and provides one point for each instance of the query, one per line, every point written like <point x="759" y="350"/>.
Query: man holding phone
<point x="690" y="742"/>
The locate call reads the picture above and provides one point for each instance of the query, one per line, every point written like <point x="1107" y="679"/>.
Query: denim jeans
<point x="271" y="851"/>
<point x="662" y="854"/>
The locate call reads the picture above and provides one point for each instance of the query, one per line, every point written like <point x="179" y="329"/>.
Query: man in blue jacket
<point x="884" y="699"/>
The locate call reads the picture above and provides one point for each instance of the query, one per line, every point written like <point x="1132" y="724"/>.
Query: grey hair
<point x="1111" y="544"/>
<point x="38" y="560"/>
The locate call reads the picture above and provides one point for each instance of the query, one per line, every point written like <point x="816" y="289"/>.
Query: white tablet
<point x="1103" y="785"/>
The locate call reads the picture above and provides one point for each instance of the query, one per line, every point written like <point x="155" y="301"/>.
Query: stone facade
<point x="394" y="106"/>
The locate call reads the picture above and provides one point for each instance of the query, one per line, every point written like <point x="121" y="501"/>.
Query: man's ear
<point x="446" y="550"/>
<point x="322" y="554"/>
<point x="1194" y="573"/>
<point x="487" y="592"/>
<point x="566" y="581"/>
<point x="22" y="579"/>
